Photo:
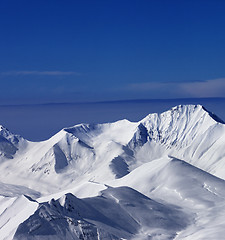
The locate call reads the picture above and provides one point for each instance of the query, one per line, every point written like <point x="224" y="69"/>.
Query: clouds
<point x="40" y="73"/>
<point x="74" y="86"/>
<point x="208" y="88"/>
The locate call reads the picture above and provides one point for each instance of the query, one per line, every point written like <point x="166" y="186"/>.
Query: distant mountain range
<point x="158" y="178"/>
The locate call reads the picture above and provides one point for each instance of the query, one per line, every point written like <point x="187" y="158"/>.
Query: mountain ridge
<point x="75" y="151"/>
<point x="153" y="178"/>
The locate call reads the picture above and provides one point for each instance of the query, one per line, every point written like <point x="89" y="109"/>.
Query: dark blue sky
<point x="69" y="51"/>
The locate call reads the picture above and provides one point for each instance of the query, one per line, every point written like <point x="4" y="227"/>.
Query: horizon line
<point x="112" y="101"/>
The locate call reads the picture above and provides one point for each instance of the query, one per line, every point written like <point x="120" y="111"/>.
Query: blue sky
<point x="72" y="51"/>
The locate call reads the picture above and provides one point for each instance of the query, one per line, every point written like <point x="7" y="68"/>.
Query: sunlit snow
<point x="159" y="178"/>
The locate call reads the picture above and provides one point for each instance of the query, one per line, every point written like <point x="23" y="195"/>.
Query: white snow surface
<point x="160" y="178"/>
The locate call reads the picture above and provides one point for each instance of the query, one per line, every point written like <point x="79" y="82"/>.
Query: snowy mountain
<point x="159" y="178"/>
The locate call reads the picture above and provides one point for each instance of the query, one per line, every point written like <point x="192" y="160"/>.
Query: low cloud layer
<point x="208" y="88"/>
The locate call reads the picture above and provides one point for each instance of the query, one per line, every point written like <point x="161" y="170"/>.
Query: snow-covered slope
<point x="118" y="213"/>
<point x="9" y="144"/>
<point x="190" y="133"/>
<point x="152" y="179"/>
<point x="173" y="181"/>
<point x="155" y="202"/>
<point x="16" y="205"/>
<point x="69" y="156"/>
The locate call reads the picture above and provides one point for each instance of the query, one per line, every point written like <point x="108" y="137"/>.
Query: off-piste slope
<point x="173" y="181"/>
<point x="117" y="213"/>
<point x="15" y="207"/>
<point x="152" y="179"/>
<point x="152" y="202"/>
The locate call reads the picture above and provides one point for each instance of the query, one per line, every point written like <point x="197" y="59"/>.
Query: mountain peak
<point x="185" y="112"/>
<point x="196" y="108"/>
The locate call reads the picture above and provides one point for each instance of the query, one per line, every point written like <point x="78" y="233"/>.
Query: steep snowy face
<point x="9" y="143"/>
<point x="179" y="126"/>
<point x="118" y="213"/>
<point x="15" y="207"/>
<point x="187" y="132"/>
